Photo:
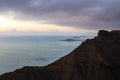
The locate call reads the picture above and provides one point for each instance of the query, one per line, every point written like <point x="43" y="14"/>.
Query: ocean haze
<point x="19" y="51"/>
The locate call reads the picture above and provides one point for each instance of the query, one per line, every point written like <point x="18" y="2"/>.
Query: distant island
<point x="94" y="59"/>
<point x="70" y="40"/>
<point x="76" y="38"/>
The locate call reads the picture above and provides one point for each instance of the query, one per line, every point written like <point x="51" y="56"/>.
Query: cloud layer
<point x="84" y="14"/>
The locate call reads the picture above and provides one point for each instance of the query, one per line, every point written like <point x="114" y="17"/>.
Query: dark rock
<point x="94" y="59"/>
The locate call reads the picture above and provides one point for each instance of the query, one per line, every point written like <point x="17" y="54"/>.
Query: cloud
<point x="83" y="14"/>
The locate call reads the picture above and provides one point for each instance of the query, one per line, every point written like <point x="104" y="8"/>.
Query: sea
<point x="19" y="51"/>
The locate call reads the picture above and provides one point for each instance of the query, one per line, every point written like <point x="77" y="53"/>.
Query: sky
<point x="58" y="17"/>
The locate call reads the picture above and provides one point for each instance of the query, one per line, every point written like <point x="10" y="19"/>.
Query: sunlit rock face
<point x="94" y="59"/>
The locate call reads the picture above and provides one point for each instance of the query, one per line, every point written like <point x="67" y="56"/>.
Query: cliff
<point x="94" y="59"/>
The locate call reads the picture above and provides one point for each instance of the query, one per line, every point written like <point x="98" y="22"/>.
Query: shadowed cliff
<point x="94" y="59"/>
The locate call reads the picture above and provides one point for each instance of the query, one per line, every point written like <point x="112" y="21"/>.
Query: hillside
<point x="94" y="59"/>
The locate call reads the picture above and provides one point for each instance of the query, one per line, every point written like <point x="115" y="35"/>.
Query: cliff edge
<point x="94" y="59"/>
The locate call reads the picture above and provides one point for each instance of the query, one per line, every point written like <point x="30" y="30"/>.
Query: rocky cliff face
<point x="94" y="59"/>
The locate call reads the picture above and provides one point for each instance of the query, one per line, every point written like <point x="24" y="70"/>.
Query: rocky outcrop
<point x="94" y="59"/>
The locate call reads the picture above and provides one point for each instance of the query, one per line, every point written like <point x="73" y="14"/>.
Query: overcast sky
<point x="87" y="15"/>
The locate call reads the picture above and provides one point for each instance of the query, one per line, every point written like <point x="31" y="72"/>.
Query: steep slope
<point x="94" y="59"/>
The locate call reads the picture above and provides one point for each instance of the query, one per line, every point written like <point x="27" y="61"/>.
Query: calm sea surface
<point x="19" y="51"/>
